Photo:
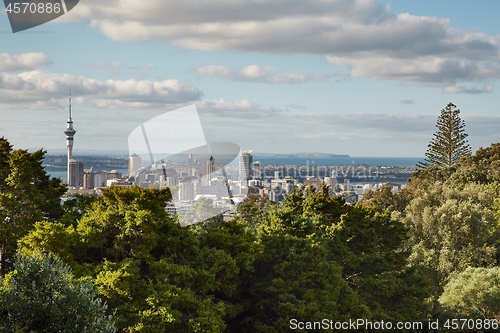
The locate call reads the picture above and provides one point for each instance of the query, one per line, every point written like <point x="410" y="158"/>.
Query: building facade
<point x="245" y="164"/>
<point x="75" y="173"/>
<point x="134" y="164"/>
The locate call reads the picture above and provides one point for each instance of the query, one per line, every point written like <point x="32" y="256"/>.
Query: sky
<point x="357" y="77"/>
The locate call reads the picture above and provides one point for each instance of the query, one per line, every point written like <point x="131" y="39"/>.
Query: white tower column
<point x="70" y="134"/>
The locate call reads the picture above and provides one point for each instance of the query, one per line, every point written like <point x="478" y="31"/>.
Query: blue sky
<point x="365" y="78"/>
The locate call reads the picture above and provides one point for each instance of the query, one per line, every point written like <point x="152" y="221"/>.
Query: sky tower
<point x="70" y="133"/>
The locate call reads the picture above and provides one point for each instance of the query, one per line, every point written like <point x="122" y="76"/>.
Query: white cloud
<point x="255" y="73"/>
<point x="460" y="89"/>
<point x="363" y="35"/>
<point x="41" y="90"/>
<point x="25" y="61"/>
<point x="243" y="109"/>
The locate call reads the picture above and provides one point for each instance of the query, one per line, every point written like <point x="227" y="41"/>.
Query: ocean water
<point x="341" y="161"/>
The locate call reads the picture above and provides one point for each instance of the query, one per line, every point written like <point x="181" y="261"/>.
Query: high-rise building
<point x="88" y="180"/>
<point x="245" y="163"/>
<point x="257" y="170"/>
<point x="134" y="164"/>
<point x="100" y="179"/>
<point x="190" y="159"/>
<point x="186" y="190"/>
<point x="75" y="171"/>
<point x="208" y="171"/>
<point x="70" y="134"/>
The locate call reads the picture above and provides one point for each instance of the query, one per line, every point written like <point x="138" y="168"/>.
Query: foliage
<point x="201" y="210"/>
<point x="449" y="143"/>
<point x="452" y="228"/>
<point x="389" y="257"/>
<point x="41" y="295"/>
<point x="365" y="243"/>
<point x="482" y="167"/>
<point x="382" y="199"/>
<point x="295" y="279"/>
<point x="474" y="293"/>
<point x="27" y="195"/>
<point x="152" y="271"/>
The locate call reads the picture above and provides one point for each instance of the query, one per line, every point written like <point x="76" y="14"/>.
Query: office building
<point x="257" y="170"/>
<point x="100" y="179"/>
<point x="134" y="164"/>
<point x="208" y="171"/>
<point x="75" y="172"/>
<point x="88" y="180"/>
<point x="245" y="163"/>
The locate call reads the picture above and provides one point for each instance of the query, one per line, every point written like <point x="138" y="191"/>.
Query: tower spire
<point x="70" y="134"/>
<point x="69" y="104"/>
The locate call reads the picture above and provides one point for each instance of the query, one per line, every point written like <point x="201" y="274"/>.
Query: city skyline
<point x="371" y="81"/>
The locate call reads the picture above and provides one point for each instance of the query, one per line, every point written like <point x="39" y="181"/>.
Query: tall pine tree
<point x="449" y="143"/>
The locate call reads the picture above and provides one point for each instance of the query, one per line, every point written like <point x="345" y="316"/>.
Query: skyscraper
<point x="245" y="163"/>
<point x="134" y="164"/>
<point x="70" y="133"/>
<point x="75" y="172"/>
<point x="208" y="171"/>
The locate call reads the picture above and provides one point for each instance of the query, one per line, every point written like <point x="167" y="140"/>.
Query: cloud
<point x="363" y="35"/>
<point x="296" y="106"/>
<point x="255" y="73"/>
<point x="113" y="66"/>
<point x="243" y="109"/>
<point x="356" y="134"/>
<point x="407" y="101"/>
<point x="460" y="89"/>
<point x="45" y="90"/>
<point x="25" y="61"/>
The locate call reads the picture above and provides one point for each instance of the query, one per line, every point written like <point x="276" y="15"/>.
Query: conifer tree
<point x="449" y="143"/>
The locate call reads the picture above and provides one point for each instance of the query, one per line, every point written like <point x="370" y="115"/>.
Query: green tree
<point x="449" y="143"/>
<point x="451" y="228"/>
<point x="295" y="279"/>
<point x="474" y="293"/>
<point x="482" y="167"/>
<point x="27" y="195"/>
<point x="41" y="295"/>
<point x="367" y="245"/>
<point x="382" y="199"/>
<point x="152" y="271"/>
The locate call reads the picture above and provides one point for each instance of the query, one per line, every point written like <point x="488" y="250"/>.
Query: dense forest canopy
<point x="416" y="255"/>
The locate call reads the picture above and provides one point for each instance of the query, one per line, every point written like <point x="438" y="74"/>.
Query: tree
<point x="41" y="295"/>
<point x="152" y="271"/>
<point x="27" y="195"/>
<point x="474" y="293"/>
<point x="449" y="143"/>
<point x="365" y="243"/>
<point x="452" y="228"/>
